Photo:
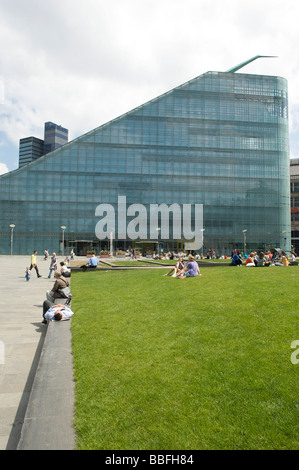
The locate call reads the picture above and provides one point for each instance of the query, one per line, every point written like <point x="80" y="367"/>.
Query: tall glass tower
<point x="220" y="140"/>
<point x="55" y="136"/>
<point x="30" y="149"/>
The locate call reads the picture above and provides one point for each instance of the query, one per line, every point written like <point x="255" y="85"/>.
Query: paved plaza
<point x="22" y="338"/>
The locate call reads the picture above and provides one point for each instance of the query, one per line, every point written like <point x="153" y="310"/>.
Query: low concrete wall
<point x="50" y="412"/>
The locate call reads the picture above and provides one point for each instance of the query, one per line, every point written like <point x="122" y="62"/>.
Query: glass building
<point x="294" y="180"/>
<point x="54" y="137"/>
<point x="220" y="140"/>
<point x="30" y="149"/>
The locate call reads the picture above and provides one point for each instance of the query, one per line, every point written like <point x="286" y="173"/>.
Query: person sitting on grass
<point x="177" y="269"/>
<point x="250" y="260"/>
<point x="191" y="270"/>
<point x="260" y="261"/>
<point x="283" y="260"/>
<point x="237" y="260"/>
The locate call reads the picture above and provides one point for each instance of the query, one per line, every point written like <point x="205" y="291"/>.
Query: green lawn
<point x="129" y="263"/>
<point x="198" y="363"/>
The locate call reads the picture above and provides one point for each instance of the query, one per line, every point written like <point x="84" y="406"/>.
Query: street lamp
<point x="63" y="227"/>
<point x="202" y="230"/>
<point x="244" y="233"/>
<point x="284" y="239"/>
<point x="111" y="242"/>
<point x="12" y="226"/>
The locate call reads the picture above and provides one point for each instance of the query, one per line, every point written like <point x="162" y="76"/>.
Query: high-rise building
<point x="55" y="136"/>
<point x="30" y="149"/>
<point x="219" y="142"/>
<point x="294" y="180"/>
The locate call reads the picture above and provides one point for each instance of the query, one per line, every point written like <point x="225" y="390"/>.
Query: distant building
<point x="294" y="172"/>
<point x="54" y="137"/>
<point x="30" y="149"/>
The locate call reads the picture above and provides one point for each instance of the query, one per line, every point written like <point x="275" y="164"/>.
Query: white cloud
<point x="1" y="91"/>
<point x="3" y="168"/>
<point x="81" y="64"/>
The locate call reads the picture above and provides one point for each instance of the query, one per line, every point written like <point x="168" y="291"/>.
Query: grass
<point x="199" y="363"/>
<point x="129" y="263"/>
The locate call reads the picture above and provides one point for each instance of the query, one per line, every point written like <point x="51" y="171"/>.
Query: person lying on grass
<point x="191" y="270"/>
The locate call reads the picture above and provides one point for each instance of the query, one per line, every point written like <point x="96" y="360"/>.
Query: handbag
<point x="65" y="293"/>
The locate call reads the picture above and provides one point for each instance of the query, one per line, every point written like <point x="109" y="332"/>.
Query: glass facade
<point x="55" y="136"/>
<point x="294" y="189"/>
<point x="220" y="140"/>
<point x="30" y="149"/>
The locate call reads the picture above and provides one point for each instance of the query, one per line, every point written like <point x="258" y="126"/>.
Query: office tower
<point x="54" y="137"/>
<point x="30" y="149"/>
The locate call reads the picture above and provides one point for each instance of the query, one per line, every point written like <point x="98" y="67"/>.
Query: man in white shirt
<point x="56" y="312"/>
<point x="92" y="263"/>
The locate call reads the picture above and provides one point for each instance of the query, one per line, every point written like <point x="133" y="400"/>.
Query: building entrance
<point x="82" y="247"/>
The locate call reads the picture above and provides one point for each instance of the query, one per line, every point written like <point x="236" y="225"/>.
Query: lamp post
<point x="244" y="234"/>
<point x="111" y="242"/>
<point x="284" y="239"/>
<point x="12" y="226"/>
<point x="202" y="230"/>
<point x="63" y="227"/>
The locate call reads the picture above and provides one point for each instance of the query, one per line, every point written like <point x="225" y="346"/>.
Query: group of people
<point x="169" y="255"/>
<point x="63" y="267"/>
<point x="51" y="310"/>
<point x="46" y="254"/>
<point x="261" y="259"/>
<point x="181" y="270"/>
<point x="53" y="266"/>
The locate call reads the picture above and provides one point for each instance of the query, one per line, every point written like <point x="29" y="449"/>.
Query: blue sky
<point x="80" y="64"/>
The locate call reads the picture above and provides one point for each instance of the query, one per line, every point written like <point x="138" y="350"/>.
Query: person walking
<point x="27" y="274"/>
<point x="53" y="265"/>
<point x="33" y="263"/>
